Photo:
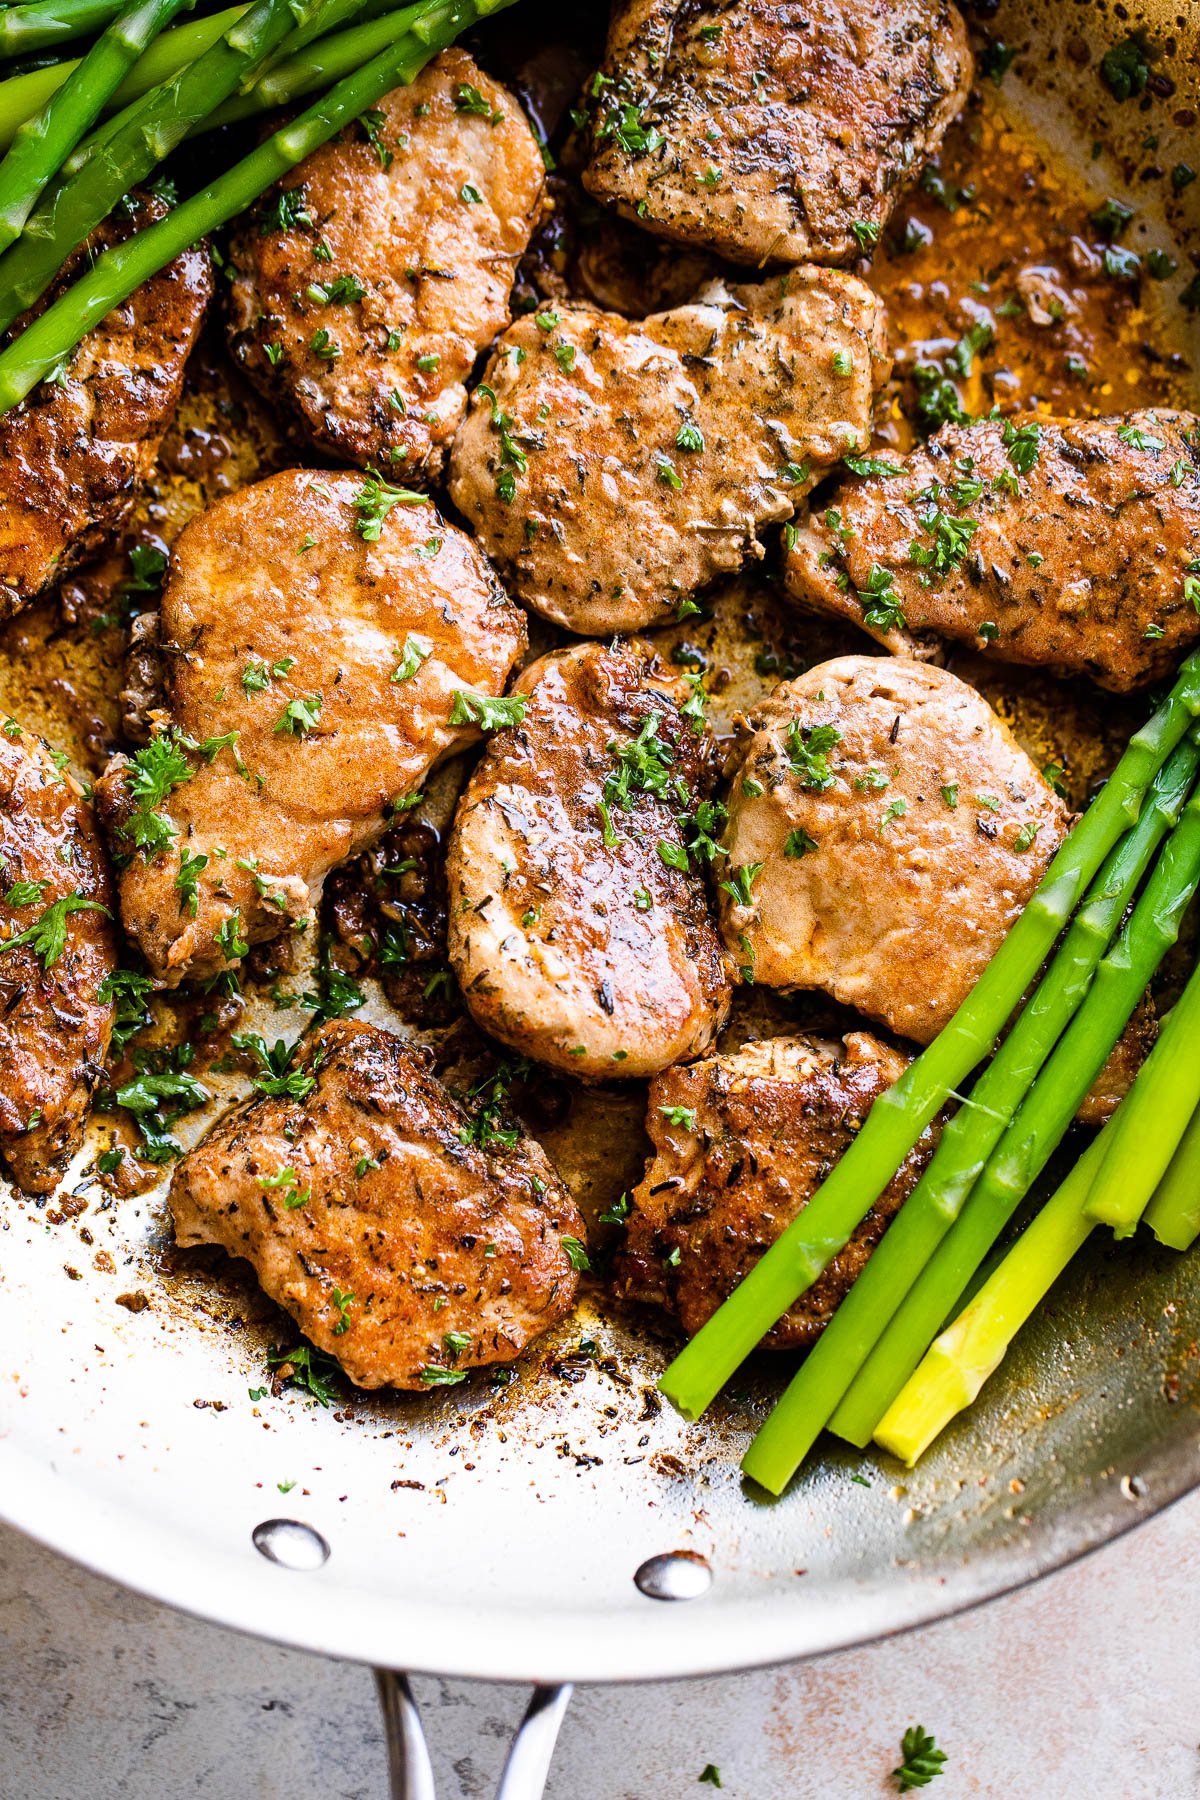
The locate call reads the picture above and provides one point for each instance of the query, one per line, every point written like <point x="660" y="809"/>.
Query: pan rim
<point x="664" y="1643"/>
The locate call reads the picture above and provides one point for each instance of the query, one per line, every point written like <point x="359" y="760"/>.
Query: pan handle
<point x="410" y="1771"/>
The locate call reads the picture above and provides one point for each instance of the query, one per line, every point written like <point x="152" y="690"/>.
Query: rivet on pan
<point x="1134" y="1487"/>
<point x="678" y="1575"/>
<point x="291" y="1544"/>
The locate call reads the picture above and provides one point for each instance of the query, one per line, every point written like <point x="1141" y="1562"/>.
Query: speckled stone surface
<point x="1086" y="1685"/>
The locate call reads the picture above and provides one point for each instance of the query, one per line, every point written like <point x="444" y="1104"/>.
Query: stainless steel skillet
<point x="567" y="1528"/>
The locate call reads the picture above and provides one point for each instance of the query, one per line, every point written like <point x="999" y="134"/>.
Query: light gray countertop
<point x="1086" y="1685"/>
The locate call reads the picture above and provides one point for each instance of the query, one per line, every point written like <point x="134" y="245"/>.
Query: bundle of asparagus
<point x="1141" y="833"/>
<point x="61" y="178"/>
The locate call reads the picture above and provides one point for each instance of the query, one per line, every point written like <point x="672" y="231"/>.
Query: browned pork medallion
<point x="613" y="467"/>
<point x="580" y="928"/>
<point x="370" y="1211"/>
<point x="369" y="281"/>
<point x="322" y="644"/>
<point x="74" y="455"/>
<point x="885" y="829"/>
<point x="769" y="130"/>
<point x="57" y="947"/>
<point x="741" y="1144"/>
<point x="1072" y="542"/>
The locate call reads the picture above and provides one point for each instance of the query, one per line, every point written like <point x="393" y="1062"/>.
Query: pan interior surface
<point x="497" y="1532"/>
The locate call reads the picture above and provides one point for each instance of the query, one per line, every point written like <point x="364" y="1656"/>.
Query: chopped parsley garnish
<point x="1110" y="220"/>
<point x="951" y="541"/>
<point x="881" y="608"/>
<point x="47" y="936"/>
<point x="154" y="774"/>
<point x="996" y="59"/>
<point x="872" y="465"/>
<point x="741" y="883"/>
<point x="689" y="437"/>
<point x="469" y="194"/>
<point x="300" y="715"/>
<point x="341" y="291"/>
<point x="185" y="881"/>
<point x="1138" y="439"/>
<point x="684" y="1116"/>
<point x="577" y="1254"/>
<point x="512" y="457"/>
<point x="1022" y="444"/>
<point x="306" y="1368"/>
<point x="288" y="210"/>
<point x="668" y="474"/>
<point x="938" y="400"/>
<point x="374" y="500"/>
<point x="412" y="656"/>
<point x="372" y="123"/>
<point x="710" y="1774"/>
<point x="292" y="1195"/>
<point x="701" y="828"/>
<point x="468" y="99"/>
<point x="343" y="1303"/>
<point x="323" y="344"/>
<point x="1025" y="837"/>
<point x="276" y="1077"/>
<point x="808" y="754"/>
<point x="874" y="781"/>
<point x="488" y="713"/>
<point x="229" y="937"/>
<point x="895" y="809"/>
<point x="921" y="1759"/>
<point x="258" y="676"/>
<point x="643" y="765"/>
<point x="156" y="1100"/>
<point x="673" y="856"/>
<point x="799" y="843"/>
<point x="432" y="1376"/>
<point x="843" y="362"/>
<point x="1125" y="69"/>
<point x="126" y="990"/>
<point x="147" y="568"/>
<point x="631" y="131"/>
<point x="491" y="1095"/>
<point x="26" y="893"/>
<point x="866" y="233"/>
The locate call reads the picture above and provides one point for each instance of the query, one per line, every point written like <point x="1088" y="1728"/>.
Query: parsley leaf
<point x="276" y="1077"/>
<point x="488" y="713"/>
<point x="300" y="715"/>
<point x="374" y="500"/>
<point x="922" y="1759"/>
<point x="47" y="936"/>
<point x="154" y="774"/>
<point x="808" y="754"/>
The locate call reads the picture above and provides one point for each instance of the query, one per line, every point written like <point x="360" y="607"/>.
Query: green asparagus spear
<point x="43" y="143"/>
<point x="119" y="271"/>
<point x="900" y="1115"/>
<point x="1174" y="1213"/>
<point x="973" y="1347"/>
<point x="968" y="1140"/>
<point x="74" y="207"/>
<point x="44" y="22"/>
<point x="21" y="96"/>
<point x="301" y="66"/>
<point x="1034" y="1133"/>
<point x="304" y="63"/>
<point x="1144" y="1138"/>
